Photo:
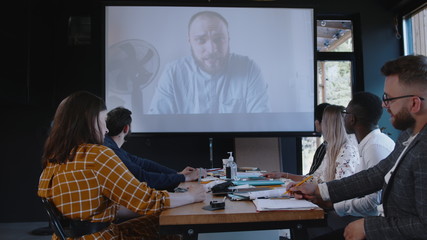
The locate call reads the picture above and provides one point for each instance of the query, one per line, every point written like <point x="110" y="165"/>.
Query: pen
<point x="303" y="181"/>
<point x="213" y="169"/>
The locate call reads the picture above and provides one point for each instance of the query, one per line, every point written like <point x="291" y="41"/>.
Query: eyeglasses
<point x="345" y="111"/>
<point x="387" y="100"/>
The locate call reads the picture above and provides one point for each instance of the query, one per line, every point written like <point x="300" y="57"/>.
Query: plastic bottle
<point x="231" y="168"/>
<point x="224" y="165"/>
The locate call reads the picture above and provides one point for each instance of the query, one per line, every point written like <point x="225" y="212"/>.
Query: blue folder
<point x="258" y="182"/>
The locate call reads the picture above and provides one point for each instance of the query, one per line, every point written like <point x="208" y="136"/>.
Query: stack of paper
<point x="283" y="204"/>
<point x="273" y="193"/>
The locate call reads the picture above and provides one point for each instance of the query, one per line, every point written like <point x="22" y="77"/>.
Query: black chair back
<point x="55" y="218"/>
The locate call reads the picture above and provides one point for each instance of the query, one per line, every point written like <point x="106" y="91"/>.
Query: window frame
<point x="405" y="26"/>
<point x="355" y="58"/>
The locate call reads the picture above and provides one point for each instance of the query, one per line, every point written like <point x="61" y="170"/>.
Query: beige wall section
<point x="258" y="152"/>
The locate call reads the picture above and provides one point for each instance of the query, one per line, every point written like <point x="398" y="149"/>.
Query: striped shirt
<point x="93" y="185"/>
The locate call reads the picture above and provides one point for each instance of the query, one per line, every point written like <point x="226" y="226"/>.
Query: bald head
<point x="207" y="15"/>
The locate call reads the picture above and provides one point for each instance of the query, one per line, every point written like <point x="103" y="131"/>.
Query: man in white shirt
<point x="361" y="119"/>
<point x="362" y="115"/>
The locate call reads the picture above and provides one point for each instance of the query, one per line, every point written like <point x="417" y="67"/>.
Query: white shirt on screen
<point x="184" y="88"/>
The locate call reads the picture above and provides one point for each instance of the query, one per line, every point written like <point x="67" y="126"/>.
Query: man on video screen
<point x="211" y="80"/>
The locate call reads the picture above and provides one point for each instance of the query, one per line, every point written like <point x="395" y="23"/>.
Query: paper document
<point x="245" y="186"/>
<point x="283" y="204"/>
<point x="273" y="193"/>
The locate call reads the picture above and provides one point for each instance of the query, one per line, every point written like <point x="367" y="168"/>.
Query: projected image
<point x="211" y="80"/>
<point x="198" y="69"/>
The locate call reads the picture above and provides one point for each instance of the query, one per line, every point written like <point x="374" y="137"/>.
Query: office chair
<point x="55" y="218"/>
<point x="70" y="228"/>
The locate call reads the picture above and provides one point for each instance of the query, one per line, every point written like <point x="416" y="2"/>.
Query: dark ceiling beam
<point x="402" y="6"/>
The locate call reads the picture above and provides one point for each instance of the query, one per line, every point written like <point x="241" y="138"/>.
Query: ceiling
<point x="332" y="33"/>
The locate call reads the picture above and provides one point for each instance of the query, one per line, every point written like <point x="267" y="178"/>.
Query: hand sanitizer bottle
<point x="231" y="168"/>
<point x="228" y="169"/>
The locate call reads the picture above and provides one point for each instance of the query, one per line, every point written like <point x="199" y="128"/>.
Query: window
<point x="335" y="72"/>
<point x="334" y="82"/>
<point x="334" y="36"/>
<point x="415" y="32"/>
<point x="334" y="86"/>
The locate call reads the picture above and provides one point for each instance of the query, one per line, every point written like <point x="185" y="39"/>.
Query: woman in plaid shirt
<point x="86" y="181"/>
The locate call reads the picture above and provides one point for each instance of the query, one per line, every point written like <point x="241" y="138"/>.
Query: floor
<point x="21" y="231"/>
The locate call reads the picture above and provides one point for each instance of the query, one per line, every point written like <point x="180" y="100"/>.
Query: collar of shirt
<point x="410" y="139"/>
<point x="366" y="139"/>
<point x="387" y="177"/>
<point x="406" y="144"/>
<point x="109" y="142"/>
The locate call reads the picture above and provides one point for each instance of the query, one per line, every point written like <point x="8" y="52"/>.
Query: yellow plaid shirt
<point x="93" y="185"/>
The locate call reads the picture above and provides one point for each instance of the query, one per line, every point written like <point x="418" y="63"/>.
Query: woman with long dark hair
<point x="87" y="182"/>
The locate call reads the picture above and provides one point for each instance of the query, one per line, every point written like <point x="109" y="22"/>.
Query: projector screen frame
<point x="225" y="4"/>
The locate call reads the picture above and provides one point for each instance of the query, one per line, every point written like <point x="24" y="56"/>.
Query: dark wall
<point x="43" y="67"/>
<point x="40" y="69"/>
<point x="177" y="152"/>
<point x="25" y="109"/>
<point x="24" y="132"/>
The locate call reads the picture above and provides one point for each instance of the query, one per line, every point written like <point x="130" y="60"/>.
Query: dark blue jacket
<point x="155" y="175"/>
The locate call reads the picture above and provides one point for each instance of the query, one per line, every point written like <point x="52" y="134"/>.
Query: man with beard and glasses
<point x="211" y="80"/>
<point x="154" y="174"/>
<point x="402" y="176"/>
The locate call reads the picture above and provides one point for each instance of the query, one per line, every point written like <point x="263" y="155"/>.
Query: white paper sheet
<point x="283" y="204"/>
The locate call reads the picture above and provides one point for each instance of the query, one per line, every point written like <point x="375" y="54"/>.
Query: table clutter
<point x="250" y="184"/>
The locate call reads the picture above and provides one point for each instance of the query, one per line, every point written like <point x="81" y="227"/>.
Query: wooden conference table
<point x="190" y="220"/>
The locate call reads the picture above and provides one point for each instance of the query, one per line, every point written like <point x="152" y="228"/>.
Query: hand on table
<point x="187" y="170"/>
<point x="274" y="175"/>
<point x="308" y="191"/>
<point x="197" y="192"/>
<point x="192" y="174"/>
